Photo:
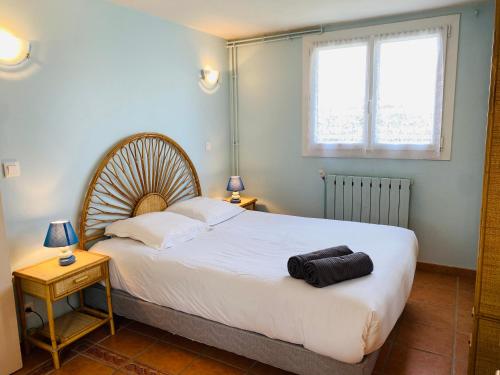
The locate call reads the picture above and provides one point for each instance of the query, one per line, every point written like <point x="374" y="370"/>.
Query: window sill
<point x="376" y="154"/>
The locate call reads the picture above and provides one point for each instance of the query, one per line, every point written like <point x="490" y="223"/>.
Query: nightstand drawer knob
<point x="80" y="279"/>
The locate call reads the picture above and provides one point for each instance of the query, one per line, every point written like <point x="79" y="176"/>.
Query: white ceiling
<point x="231" y="19"/>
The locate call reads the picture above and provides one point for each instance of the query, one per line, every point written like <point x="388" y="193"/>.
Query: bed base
<point x="277" y="353"/>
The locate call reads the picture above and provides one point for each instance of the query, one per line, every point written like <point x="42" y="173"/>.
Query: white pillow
<point x="210" y="211"/>
<point x="159" y="230"/>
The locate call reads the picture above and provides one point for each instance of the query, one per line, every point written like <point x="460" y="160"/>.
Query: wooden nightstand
<point x="246" y="202"/>
<point x="51" y="282"/>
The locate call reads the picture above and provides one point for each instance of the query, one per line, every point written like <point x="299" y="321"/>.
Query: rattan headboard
<point x="143" y="173"/>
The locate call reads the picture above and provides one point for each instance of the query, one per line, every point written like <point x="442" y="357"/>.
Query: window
<point x="385" y="91"/>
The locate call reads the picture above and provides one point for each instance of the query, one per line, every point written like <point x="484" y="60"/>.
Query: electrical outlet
<point x="29" y="306"/>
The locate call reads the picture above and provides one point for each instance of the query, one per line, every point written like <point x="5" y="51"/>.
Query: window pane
<point x="340" y="94"/>
<point x="406" y="89"/>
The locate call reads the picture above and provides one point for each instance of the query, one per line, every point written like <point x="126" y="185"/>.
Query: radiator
<point x="368" y="199"/>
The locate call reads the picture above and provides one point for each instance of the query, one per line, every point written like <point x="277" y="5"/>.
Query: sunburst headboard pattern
<point x="143" y="173"/>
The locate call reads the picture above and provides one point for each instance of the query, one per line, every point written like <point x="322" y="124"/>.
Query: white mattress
<point x="236" y="274"/>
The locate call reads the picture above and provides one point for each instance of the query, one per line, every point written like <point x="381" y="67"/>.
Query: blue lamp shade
<point x="60" y="234"/>
<point x="235" y="183"/>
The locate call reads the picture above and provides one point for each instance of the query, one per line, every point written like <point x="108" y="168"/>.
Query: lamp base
<point x="235" y="197"/>
<point x="67" y="261"/>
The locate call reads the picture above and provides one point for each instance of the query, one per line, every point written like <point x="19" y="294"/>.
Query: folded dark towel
<point x="296" y="263"/>
<point x="327" y="271"/>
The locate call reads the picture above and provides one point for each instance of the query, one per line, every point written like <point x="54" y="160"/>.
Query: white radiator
<point x="368" y="199"/>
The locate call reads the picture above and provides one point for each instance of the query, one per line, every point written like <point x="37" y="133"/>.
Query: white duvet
<point x="236" y="274"/>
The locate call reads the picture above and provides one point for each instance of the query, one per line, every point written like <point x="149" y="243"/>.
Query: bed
<point x="229" y="287"/>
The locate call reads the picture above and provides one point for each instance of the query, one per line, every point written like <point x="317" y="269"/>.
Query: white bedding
<point x="236" y="274"/>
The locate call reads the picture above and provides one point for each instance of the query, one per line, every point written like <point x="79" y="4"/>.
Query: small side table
<point x="246" y="202"/>
<point x="51" y="282"/>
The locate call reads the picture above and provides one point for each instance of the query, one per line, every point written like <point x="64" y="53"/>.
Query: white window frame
<point x="451" y="23"/>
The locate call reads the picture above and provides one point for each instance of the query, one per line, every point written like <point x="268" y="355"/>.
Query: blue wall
<point x="446" y="195"/>
<point x="99" y="72"/>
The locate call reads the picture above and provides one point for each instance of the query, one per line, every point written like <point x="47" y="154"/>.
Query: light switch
<point x="11" y="168"/>
<point x="208" y="146"/>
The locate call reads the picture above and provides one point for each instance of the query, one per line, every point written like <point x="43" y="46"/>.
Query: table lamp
<point x="61" y="234"/>
<point x="235" y="184"/>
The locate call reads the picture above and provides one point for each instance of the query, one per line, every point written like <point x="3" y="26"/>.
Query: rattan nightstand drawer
<point x="76" y="282"/>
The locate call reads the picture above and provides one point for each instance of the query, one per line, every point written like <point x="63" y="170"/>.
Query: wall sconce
<point x="209" y="80"/>
<point x="13" y="51"/>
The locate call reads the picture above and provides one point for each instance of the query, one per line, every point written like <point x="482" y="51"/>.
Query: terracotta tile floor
<point x="431" y="337"/>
